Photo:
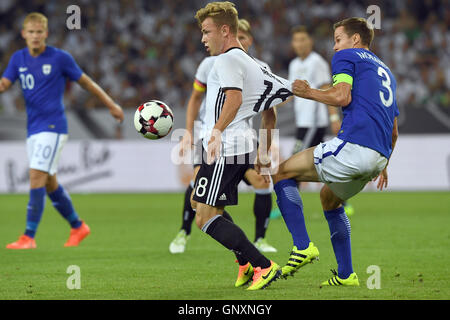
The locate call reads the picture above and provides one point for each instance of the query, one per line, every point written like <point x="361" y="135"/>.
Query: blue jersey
<point x="368" y="120"/>
<point x="43" y="80"/>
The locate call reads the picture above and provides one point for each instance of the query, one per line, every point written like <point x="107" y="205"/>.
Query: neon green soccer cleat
<point x="245" y="275"/>
<point x="352" y="280"/>
<point x="299" y="258"/>
<point x="262" y="278"/>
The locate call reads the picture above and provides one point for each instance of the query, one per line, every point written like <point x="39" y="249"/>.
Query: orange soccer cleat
<point x="262" y="278"/>
<point x="77" y="235"/>
<point x="245" y="275"/>
<point x="24" y="242"/>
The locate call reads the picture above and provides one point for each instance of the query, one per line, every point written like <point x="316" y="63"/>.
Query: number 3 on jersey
<point x="387" y="84"/>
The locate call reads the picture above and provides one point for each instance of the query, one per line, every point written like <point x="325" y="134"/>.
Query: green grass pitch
<point x="406" y="235"/>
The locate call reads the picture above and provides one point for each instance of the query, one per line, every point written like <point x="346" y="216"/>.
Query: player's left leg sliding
<point x="63" y="204"/>
<point x="233" y="238"/>
<point x="291" y="206"/>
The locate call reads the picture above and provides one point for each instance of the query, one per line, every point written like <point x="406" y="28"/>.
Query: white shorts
<point x="44" y="149"/>
<point x="347" y="167"/>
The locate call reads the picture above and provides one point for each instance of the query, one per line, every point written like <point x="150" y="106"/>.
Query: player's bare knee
<point x="51" y="184"/>
<point x="328" y="199"/>
<point x="199" y="221"/>
<point x="205" y="213"/>
<point x="38" y="179"/>
<point x="259" y="183"/>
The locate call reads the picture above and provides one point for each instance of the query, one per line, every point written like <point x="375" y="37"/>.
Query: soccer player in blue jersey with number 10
<point x="43" y="71"/>
<point x="365" y="89"/>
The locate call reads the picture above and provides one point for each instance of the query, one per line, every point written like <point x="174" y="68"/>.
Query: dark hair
<point x="300" y="28"/>
<point x="359" y="26"/>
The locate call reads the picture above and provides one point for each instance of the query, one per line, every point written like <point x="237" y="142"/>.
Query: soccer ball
<point x="153" y="119"/>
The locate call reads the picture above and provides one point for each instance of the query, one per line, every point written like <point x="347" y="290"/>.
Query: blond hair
<point x="222" y="13"/>
<point x="244" y="26"/>
<point x="36" y="17"/>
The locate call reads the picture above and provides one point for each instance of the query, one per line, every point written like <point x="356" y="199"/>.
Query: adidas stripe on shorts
<point x="347" y="167"/>
<point x="217" y="184"/>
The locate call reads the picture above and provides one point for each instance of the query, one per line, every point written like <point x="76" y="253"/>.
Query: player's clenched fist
<point x="300" y="88"/>
<point x="214" y="147"/>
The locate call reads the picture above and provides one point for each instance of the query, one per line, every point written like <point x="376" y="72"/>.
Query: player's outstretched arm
<point x="88" y="84"/>
<point x="5" y="84"/>
<point x="383" y="176"/>
<point x="339" y="95"/>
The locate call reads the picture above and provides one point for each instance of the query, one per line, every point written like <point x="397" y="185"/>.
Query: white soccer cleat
<point x="262" y="245"/>
<point x="178" y="245"/>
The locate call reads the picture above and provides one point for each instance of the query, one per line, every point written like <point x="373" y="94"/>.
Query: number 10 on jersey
<point x="281" y="93"/>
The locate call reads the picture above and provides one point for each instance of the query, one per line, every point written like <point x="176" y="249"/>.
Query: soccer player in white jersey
<point x="365" y="89"/>
<point x="311" y="117"/>
<point x="43" y="71"/>
<point x="196" y="109"/>
<point x="238" y="88"/>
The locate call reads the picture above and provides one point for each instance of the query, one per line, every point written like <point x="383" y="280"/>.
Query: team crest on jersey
<point x="46" y="68"/>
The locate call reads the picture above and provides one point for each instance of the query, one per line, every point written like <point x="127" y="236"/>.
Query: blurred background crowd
<point x="138" y="50"/>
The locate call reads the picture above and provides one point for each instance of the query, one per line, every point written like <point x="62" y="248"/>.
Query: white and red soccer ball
<point x="153" y="119"/>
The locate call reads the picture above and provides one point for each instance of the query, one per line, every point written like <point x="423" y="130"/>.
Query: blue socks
<point x="291" y="207"/>
<point x="35" y="209"/>
<point x="340" y="239"/>
<point x="62" y="202"/>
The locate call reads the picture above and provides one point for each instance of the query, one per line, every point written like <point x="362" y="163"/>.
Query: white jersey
<point x="315" y="70"/>
<point x="201" y="77"/>
<point x="263" y="64"/>
<point x="260" y="88"/>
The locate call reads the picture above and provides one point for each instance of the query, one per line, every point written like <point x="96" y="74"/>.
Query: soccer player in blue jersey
<point x="365" y="89"/>
<point x="43" y="71"/>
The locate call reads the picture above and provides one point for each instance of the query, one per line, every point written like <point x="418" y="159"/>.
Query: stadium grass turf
<point x="126" y="256"/>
